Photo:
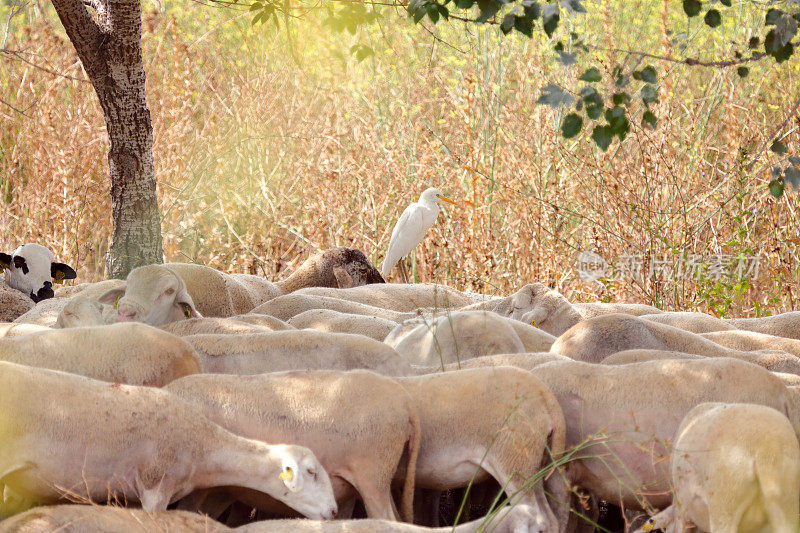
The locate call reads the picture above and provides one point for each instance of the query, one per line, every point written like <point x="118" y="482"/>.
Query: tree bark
<point x="109" y="46"/>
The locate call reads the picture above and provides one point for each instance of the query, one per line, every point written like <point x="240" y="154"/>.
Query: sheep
<point x="596" y="338"/>
<point x="136" y="354"/>
<point x="223" y="326"/>
<point x="13" y="303"/>
<point x="480" y="422"/>
<point x="624" y="417"/>
<point x="526" y="361"/>
<point x="336" y="322"/>
<point x="782" y="325"/>
<point x="751" y="341"/>
<point x="107" y="518"/>
<point x="287" y="306"/>
<point x="627" y="357"/>
<point x="219" y="294"/>
<point x="153" y="294"/>
<point x="535" y="304"/>
<point x="360" y="448"/>
<point x="266" y="321"/>
<point x="31" y="269"/>
<point x="277" y="351"/>
<point x="520" y="518"/>
<point x="10" y="329"/>
<point x="70" y="436"/>
<point x="91" y="290"/>
<point x="457" y="336"/>
<point x="593" y="309"/>
<point x="400" y="297"/>
<point x="82" y="310"/>
<point x="694" y="322"/>
<point x="728" y="477"/>
<point x="44" y="313"/>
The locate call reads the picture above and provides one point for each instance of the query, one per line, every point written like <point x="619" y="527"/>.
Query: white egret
<point x="414" y="223"/>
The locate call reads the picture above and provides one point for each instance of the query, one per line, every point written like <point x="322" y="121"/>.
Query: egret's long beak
<point x="446" y="199"/>
<point x="466" y="202"/>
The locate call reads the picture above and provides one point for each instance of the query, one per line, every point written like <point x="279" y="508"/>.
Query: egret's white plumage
<point x="414" y="223"/>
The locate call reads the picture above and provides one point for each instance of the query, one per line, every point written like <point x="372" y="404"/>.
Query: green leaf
<point x="713" y="18"/>
<point x="648" y="74"/>
<point x="508" y="23"/>
<point x="792" y="176"/>
<point x="785" y="29"/>
<point x="776" y="188"/>
<point x="742" y="72"/>
<point x="621" y="98"/>
<point x="567" y="59"/>
<point x="726" y="3"/>
<point x="363" y="52"/>
<point x="524" y="26"/>
<point x="532" y="9"/>
<point x="773" y="16"/>
<point x="571" y="125"/>
<point x="554" y="96"/>
<point x="649" y="119"/>
<point x="550" y="18"/>
<point x="433" y="12"/>
<point x="444" y="12"/>
<point x="617" y="121"/>
<point x="793" y="159"/>
<point x="692" y="7"/>
<point x="778" y="147"/>
<point x="592" y="74"/>
<point x="771" y="46"/>
<point x="753" y="43"/>
<point x="465" y="4"/>
<point x="593" y="101"/>
<point x="418" y="14"/>
<point x="602" y="136"/>
<point x="488" y="9"/>
<point x="255" y="6"/>
<point x="649" y="94"/>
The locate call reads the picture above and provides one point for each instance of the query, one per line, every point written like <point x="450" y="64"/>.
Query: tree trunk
<point x="109" y="46"/>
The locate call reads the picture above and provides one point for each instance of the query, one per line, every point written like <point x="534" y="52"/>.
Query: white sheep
<point x="153" y="294"/>
<point x="781" y="325"/>
<point x="735" y="468"/>
<point x="498" y="422"/>
<point x="82" y="310"/>
<point x="694" y="322"/>
<point x="400" y="297"/>
<point x="123" y="353"/>
<point x="277" y="351"/>
<point x="335" y="322"/>
<point x="107" y="518"/>
<point x="457" y="336"/>
<point x="287" y="306"/>
<point x="70" y="436"/>
<point x="520" y="518"/>
<point x="751" y="341"/>
<point x="44" y="313"/>
<point x="625" y="416"/>
<point x="223" y="326"/>
<point x="13" y="303"/>
<point x="596" y="338"/>
<point x="360" y="448"/>
<point x="31" y="269"/>
<point x="10" y="329"/>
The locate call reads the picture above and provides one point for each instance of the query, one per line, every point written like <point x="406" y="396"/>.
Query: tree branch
<point x="775" y="133"/>
<point x="84" y="33"/>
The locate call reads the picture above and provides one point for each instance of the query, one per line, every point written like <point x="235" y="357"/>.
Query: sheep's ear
<point x="5" y="261"/>
<point x="290" y="474"/>
<point x="61" y="271"/>
<point x="343" y="278"/>
<point x="185" y="302"/>
<point x="112" y="297"/>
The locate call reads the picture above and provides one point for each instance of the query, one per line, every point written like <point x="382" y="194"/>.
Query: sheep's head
<point x="349" y="268"/>
<point x="81" y="311"/>
<point x="152" y="294"/>
<point x="309" y="487"/>
<point x="32" y="269"/>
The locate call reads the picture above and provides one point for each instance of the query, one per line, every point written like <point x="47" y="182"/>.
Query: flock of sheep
<point x="238" y="402"/>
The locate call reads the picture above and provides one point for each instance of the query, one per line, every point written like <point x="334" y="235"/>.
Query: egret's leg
<point x="403" y="271"/>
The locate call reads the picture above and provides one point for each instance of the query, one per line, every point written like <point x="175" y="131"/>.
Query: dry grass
<point x="268" y="147"/>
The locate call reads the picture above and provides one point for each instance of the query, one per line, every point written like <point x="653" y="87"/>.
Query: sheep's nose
<point x="126" y="315"/>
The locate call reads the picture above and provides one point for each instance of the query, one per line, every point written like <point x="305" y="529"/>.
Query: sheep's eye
<point x="312" y="473"/>
<point x="170" y="291"/>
